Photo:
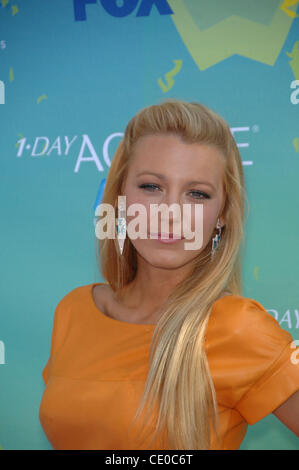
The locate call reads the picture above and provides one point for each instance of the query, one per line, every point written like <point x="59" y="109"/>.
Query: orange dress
<point x="98" y="365"/>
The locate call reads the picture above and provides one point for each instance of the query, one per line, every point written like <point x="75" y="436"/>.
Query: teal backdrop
<point x="72" y="75"/>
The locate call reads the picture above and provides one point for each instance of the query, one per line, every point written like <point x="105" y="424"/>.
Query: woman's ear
<point x="222" y="221"/>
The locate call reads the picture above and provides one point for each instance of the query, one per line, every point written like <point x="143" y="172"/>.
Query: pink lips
<point x="167" y="238"/>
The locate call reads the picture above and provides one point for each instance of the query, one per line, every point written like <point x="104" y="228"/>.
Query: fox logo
<point x="128" y="6"/>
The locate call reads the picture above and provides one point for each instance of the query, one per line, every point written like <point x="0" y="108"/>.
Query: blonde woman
<point x="167" y="353"/>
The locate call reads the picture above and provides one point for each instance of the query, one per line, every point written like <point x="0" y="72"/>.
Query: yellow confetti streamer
<point x="169" y="76"/>
<point x="11" y="74"/>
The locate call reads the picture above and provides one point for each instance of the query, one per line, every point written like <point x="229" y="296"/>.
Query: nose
<point x="172" y="197"/>
<point x="173" y="214"/>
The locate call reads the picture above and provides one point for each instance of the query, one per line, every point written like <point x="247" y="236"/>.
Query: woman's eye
<point x="198" y="194"/>
<point x="148" y="186"/>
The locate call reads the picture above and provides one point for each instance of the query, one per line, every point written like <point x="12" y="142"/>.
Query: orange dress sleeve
<point x="257" y="359"/>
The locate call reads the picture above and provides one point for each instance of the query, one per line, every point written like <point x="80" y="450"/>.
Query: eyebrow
<point x="159" y="175"/>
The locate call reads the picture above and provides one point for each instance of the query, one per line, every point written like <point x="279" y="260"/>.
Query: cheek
<point x="207" y="219"/>
<point x="134" y="196"/>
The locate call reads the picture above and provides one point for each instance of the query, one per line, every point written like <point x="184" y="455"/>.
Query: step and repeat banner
<point x="72" y="74"/>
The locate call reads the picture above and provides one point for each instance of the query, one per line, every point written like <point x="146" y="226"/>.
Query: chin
<point x="163" y="260"/>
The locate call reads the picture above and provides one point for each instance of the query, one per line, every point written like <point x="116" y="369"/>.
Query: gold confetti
<point x="40" y="98"/>
<point x="256" y="273"/>
<point x="296" y="143"/>
<point x="18" y="143"/>
<point x="11" y="74"/>
<point x="294" y="62"/>
<point x="15" y="9"/>
<point x="4" y="3"/>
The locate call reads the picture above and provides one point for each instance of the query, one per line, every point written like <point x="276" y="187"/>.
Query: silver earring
<point x="216" y="239"/>
<point x="121" y="227"/>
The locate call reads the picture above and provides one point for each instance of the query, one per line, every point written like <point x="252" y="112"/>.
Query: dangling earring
<point x="216" y="239"/>
<point x="121" y="227"/>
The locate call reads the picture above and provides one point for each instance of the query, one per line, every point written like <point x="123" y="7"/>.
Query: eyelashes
<point x="151" y="188"/>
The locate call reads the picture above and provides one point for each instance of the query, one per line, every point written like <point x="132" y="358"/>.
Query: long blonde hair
<point x="179" y="381"/>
